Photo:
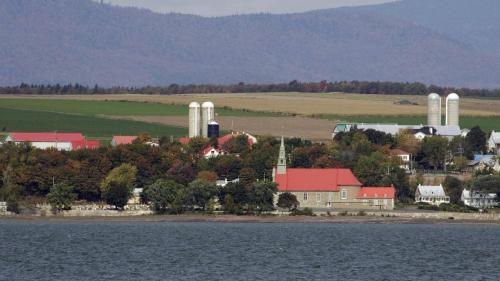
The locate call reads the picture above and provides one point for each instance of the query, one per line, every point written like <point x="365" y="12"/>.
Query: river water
<point x="76" y="250"/>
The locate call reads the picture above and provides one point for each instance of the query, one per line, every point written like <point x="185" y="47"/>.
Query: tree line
<point x="361" y="87"/>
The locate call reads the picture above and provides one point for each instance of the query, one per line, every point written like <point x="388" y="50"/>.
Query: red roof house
<point x="315" y="179"/>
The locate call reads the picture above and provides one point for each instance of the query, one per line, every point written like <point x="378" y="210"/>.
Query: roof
<point x="484" y="157"/>
<point x="118" y="140"/>
<point x="184" y="140"/>
<point x="466" y="194"/>
<point x="376" y="192"/>
<point x="85" y="144"/>
<point x="431" y="190"/>
<point x="46" y="137"/>
<point x="495" y="137"/>
<point x="315" y="179"/>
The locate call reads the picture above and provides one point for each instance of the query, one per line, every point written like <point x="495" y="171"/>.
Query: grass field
<point x="487" y="123"/>
<point x="91" y="126"/>
<point x="112" y="108"/>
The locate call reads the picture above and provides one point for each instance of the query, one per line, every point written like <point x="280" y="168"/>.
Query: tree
<point x="489" y="183"/>
<point x="165" y="195"/>
<point x="434" y="150"/>
<point x="261" y="196"/>
<point x="247" y="176"/>
<point x="207" y="176"/>
<point x="370" y="170"/>
<point x="199" y="192"/>
<point x="61" y="197"/>
<point x="475" y="142"/>
<point x="288" y="201"/>
<point x="10" y="191"/>
<point x="453" y="187"/>
<point x="118" y="186"/>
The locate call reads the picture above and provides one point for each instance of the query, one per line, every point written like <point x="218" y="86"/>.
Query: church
<point x="334" y="188"/>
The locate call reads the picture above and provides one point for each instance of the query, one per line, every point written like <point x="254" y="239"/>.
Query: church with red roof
<point x="329" y="188"/>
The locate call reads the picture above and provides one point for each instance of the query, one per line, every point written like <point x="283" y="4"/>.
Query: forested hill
<point x="61" y="41"/>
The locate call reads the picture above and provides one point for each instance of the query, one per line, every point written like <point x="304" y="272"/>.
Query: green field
<point x="113" y="108"/>
<point x="91" y="126"/>
<point x="486" y="123"/>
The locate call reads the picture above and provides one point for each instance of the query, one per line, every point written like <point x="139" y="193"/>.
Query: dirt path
<point x="306" y="128"/>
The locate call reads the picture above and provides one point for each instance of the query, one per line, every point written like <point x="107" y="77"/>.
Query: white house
<point x="431" y="194"/>
<point x="494" y="142"/>
<point x="404" y="158"/>
<point x="478" y="199"/>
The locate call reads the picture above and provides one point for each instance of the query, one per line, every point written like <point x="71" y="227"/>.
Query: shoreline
<point x="189" y="218"/>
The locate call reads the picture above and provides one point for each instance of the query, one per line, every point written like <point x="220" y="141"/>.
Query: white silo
<point x="434" y="110"/>
<point x="194" y="119"/>
<point x="453" y="109"/>
<point x="207" y="116"/>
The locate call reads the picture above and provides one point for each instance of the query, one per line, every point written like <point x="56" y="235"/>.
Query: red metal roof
<point x="376" y="192"/>
<point x="315" y="179"/>
<point x="46" y="137"/>
<point x="184" y="140"/>
<point x="85" y="144"/>
<point x="118" y="140"/>
<point x="398" y="152"/>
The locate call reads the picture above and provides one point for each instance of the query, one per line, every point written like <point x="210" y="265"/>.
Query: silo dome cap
<point x="213" y="123"/>
<point x="208" y="104"/>
<point x="434" y="96"/>
<point x="453" y="96"/>
<point x="194" y="104"/>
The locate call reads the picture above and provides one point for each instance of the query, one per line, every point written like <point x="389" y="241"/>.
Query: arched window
<point x="343" y="194"/>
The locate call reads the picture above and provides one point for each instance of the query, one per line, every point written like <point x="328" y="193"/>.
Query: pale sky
<point x="231" y="7"/>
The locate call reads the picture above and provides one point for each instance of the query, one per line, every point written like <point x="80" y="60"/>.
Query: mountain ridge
<point x="55" y="41"/>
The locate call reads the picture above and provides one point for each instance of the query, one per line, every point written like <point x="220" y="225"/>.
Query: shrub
<point x="303" y="212"/>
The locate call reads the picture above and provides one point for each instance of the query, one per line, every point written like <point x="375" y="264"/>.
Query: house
<point x="494" y="142"/>
<point x="404" y="157"/>
<point x="55" y="140"/>
<point x="431" y="194"/>
<point x="486" y="161"/>
<point x="479" y="200"/>
<point x="224" y="182"/>
<point x="136" y="196"/>
<point x="3" y="207"/>
<point x="329" y="188"/>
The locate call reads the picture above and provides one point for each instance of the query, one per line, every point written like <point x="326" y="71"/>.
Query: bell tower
<point x="281" y="167"/>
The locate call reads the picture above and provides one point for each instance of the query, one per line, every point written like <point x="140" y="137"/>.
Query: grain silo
<point x="207" y="116"/>
<point x="194" y="119"/>
<point x="213" y="130"/>
<point x="434" y="110"/>
<point x="452" y="109"/>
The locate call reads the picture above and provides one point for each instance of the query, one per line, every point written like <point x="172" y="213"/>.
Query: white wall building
<point x="494" y="142"/>
<point x="478" y="199"/>
<point x="431" y="194"/>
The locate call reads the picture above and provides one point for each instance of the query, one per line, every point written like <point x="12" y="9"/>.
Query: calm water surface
<point x="44" y="250"/>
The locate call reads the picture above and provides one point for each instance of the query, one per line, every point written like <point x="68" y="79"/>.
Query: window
<point x="318" y="197"/>
<point x="305" y="196"/>
<point x="385" y="202"/>
<point x="375" y="202"/>
<point x="343" y="194"/>
<point x="330" y="196"/>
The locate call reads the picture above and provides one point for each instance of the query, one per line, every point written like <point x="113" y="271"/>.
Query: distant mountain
<point x="60" y="41"/>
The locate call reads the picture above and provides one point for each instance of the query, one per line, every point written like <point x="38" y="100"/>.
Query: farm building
<point x="329" y="188"/>
<point x="59" y="141"/>
<point x="210" y="151"/>
<point x="494" y="142"/>
<point x="419" y="131"/>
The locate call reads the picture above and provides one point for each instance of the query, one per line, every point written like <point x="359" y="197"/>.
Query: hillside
<point x="57" y="41"/>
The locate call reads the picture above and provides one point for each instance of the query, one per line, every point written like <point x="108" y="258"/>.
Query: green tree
<point x="434" y="149"/>
<point x="61" y="197"/>
<point x="261" y="196"/>
<point x="475" y="142"/>
<point x="247" y="176"/>
<point x="453" y="187"/>
<point x="165" y="195"/>
<point x="488" y="183"/>
<point x="287" y="200"/>
<point x="10" y="191"/>
<point x="199" y="192"/>
<point x="370" y="170"/>
<point x="118" y="186"/>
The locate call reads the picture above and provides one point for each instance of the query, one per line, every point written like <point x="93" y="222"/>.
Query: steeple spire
<point x="281" y="167"/>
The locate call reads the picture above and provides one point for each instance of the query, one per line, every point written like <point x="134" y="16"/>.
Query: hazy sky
<point x="230" y="7"/>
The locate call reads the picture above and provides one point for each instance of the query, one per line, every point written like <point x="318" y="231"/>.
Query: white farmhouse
<point x="431" y="194"/>
<point x="478" y="199"/>
<point x="494" y="142"/>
